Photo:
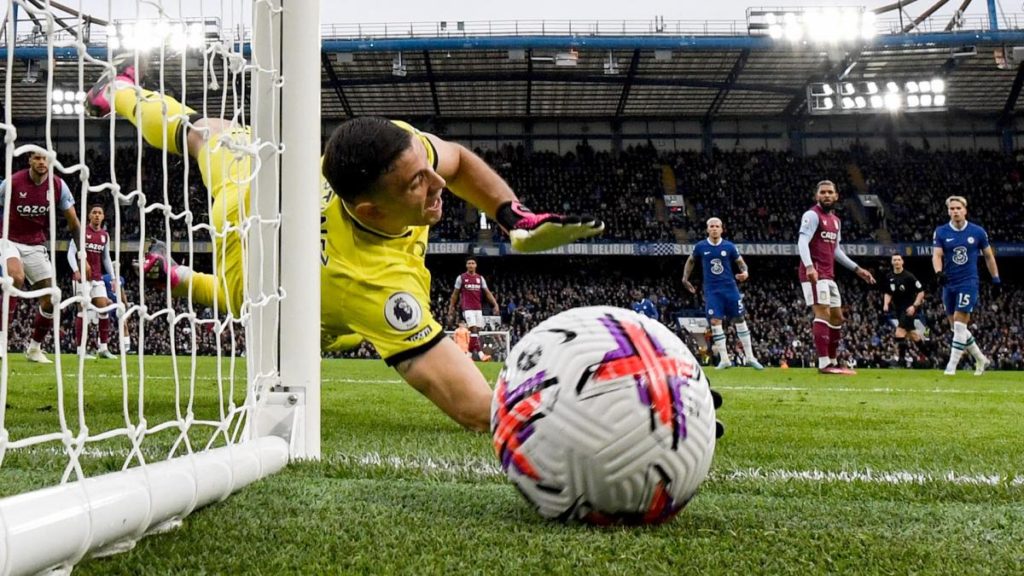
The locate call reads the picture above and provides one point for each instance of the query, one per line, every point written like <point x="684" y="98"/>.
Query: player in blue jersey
<point x="722" y="296"/>
<point x="644" y="305"/>
<point x="956" y="247"/>
<point x="114" y="294"/>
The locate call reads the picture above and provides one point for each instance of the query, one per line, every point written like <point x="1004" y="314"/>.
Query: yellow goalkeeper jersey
<point x="372" y="284"/>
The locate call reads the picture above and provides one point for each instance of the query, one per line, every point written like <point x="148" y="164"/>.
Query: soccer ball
<point x="603" y="415"/>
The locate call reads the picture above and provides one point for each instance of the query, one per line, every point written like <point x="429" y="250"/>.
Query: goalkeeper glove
<point x="940" y="278"/>
<point x="531" y="232"/>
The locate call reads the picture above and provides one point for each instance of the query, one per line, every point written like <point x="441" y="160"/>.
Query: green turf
<point x="401" y="489"/>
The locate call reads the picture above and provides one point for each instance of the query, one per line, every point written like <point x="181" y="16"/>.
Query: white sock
<point x="824" y="361"/>
<point x="718" y="339"/>
<point x="972" y="347"/>
<point x="744" y="333"/>
<point x="960" y="333"/>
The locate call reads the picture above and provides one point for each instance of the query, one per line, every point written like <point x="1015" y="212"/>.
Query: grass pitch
<point x="886" y="472"/>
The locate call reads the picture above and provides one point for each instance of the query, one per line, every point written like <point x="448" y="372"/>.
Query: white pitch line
<point x="482" y="468"/>
<point x="487" y="468"/>
<point x="757" y="388"/>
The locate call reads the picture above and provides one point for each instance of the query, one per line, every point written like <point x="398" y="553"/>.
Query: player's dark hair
<point x="359" y="152"/>
<point x="97" y="205"/>
<point x="817" y="187"/>
<point x="470" y="259"/>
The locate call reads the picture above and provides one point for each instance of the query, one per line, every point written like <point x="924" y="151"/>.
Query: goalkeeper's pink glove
<point x="531" y="232"/>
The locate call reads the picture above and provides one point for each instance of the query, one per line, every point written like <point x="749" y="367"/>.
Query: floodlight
<point x="912" y="87"/>
<point x="860" y="102"/>
<point x="57" y="96"/>
<point x="926" y="99"/>
<point x="892" y="101"/>
<point x="892" y="87"/>
<point x="847" y="103"/>
<point x="940" y="100"/>
<point x="913" y="101"/>
<point x="877" y="101"/>
<point x="938" y="85"/>
<point x="871" y="87"/>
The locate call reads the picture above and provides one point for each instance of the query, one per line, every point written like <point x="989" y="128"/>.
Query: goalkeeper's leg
<point x="161" y="119"/>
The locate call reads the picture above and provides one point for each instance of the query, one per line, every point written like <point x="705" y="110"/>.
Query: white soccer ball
<point x="603" y="415"/>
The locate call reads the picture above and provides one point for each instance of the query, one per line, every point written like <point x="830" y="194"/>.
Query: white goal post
<point x="51" y="529"/>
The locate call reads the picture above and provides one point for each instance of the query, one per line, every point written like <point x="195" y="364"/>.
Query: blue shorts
<point x="724" y="305"/>
<point x="959" y="299"/>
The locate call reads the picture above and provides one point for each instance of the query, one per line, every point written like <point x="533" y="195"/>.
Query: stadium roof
<point x="651" y="75"/>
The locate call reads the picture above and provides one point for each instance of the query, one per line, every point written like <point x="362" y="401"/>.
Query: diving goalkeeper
<point x="382" y="188"/>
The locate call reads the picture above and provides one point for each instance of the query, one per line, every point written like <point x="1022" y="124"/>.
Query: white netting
<point x="494" y="344"/>
<point x="187" y="388"/>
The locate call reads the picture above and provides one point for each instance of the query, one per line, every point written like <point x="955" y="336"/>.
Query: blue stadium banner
<point x="633" y="249"/>
<point x="872" y="250"/>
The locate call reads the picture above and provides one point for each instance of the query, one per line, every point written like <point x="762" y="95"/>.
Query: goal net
<point x="494" y="344"/>
<point x="202" y="397"/>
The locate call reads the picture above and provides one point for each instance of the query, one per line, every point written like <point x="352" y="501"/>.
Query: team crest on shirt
<point x="402" y="311"/>
<point x="970" y="239"/>
<point x="723" y="254"/>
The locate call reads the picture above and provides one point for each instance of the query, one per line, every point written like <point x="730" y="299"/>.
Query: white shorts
<point x="824" y="292"/>
<point x="91" y="289"/>
<point x="35" y="260"/>
<point x="474" y="318"/>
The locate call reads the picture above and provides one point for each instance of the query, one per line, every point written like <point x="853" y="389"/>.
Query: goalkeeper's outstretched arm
<point x="471" y="179"/>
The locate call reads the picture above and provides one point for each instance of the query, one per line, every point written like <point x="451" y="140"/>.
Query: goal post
<point x="212" y="440"/>
<point x="286" y="57"/>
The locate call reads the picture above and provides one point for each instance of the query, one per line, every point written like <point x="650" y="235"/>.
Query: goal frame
<point x="52" y="529"/>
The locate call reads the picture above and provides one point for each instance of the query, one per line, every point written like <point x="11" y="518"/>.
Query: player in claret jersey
<point x="90" y="284"/>
<point x="470" y="290"/>
<point x="819" y="250"/>
<point x="24" y="250"/>
<point x="956" y="247"/>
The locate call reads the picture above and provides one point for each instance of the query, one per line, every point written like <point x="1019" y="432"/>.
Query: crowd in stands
<point x="531" y="289"/>
<point x="759" y="194"/>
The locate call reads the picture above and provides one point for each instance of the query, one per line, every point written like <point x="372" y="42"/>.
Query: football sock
<point x="833" y="342"/>
<point x="78" y="331"/>
<point x="151" y="107"/>
<point x="104" y="328"/>
<point x="820" y="330"/>
<point x="718" y="343"/>
<point x="744" y="335"/>
<point x="901" y="344"/>
<point x="960" y="333"/>
<point x="474" y="342"/>
<point x="972" y="347"/>
<point x="41" y="325"/>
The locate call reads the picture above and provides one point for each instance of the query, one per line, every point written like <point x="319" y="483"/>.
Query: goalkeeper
<point x="382" y="188"/>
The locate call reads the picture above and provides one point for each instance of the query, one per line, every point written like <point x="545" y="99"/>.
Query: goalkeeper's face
<point x="410" y="193"/>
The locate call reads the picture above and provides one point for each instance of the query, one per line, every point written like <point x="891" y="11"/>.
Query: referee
<point x="903" y="298"/>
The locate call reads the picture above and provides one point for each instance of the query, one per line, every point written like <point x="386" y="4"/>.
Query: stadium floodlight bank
<point x="818" y="25"/>
<point x="874" y="97"/>
<point x="206" y="449"/>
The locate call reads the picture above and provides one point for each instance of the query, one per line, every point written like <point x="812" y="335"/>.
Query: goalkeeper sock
<point x="156" y="111"/>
